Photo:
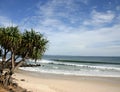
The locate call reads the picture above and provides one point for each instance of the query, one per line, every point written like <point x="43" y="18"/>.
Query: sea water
<point x="78" y="65"/>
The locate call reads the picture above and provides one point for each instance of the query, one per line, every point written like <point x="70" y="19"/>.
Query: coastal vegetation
<point x="16" y="47"/>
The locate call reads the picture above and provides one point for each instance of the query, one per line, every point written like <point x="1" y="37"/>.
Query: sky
<point x="73" y="27"/>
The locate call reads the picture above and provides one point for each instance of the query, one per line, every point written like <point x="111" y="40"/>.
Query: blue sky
<point x="73" y="27"/>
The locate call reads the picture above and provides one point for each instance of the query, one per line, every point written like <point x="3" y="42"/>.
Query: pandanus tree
<point x="36" y="44"/>
<point x="33" y="46"/>
<point x="29" y="44"/>
<point x="14" y="37"/>
<point x="10" y="41"/>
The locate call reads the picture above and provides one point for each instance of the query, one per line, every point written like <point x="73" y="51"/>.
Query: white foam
<point x="44" y="61"/>
<point x="76" y="73"/>
<point x="78" y="69"/>
<point x="81" y="65"/>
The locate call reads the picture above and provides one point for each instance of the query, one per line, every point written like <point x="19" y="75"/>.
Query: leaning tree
<point x="16" y="45"/>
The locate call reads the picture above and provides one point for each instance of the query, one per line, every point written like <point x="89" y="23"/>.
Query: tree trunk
<point x="7" y="78"/>
<point x="12" y="60"/>
<point x="4" y="58"/>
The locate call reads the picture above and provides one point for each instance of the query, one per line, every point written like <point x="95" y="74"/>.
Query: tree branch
<point x="19" y="64"/>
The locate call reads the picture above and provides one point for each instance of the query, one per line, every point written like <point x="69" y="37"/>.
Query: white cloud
<point x="4" y="21"/>
<point x="63" y="9"/>
<point x="100" y="18"/>
<point x="100" y="42"/>
<point x="67" y="40"/>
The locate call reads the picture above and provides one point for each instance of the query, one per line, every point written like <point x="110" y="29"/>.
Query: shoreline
<point x="42" y="82"/>
<point x="62" y="76"/>
<point x="72" y="74"/>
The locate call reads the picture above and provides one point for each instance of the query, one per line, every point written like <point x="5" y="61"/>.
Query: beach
<point x="43" y="82"/>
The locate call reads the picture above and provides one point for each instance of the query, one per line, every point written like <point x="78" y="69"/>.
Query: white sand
<point x="59" y="83"/>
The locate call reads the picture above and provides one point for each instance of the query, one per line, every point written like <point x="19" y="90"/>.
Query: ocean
<point x="77" y="65"/>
